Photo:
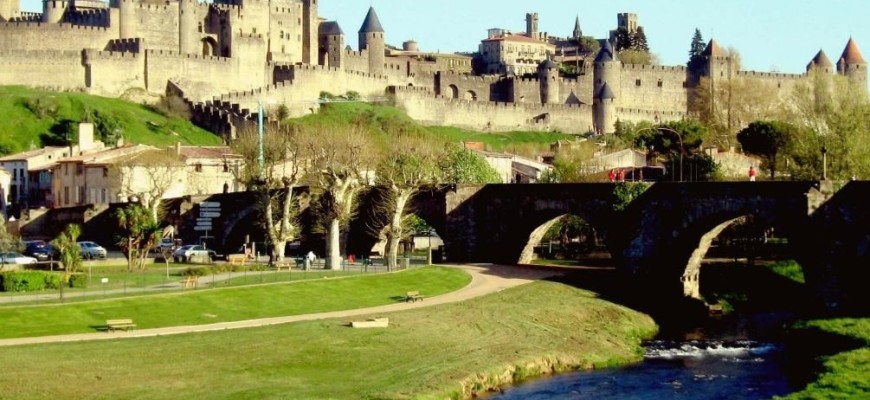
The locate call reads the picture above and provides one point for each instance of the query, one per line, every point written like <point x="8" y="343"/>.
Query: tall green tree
<point x="138" y="233"/>
<point x="767" y="139"/>
<point x="696" y="49"/>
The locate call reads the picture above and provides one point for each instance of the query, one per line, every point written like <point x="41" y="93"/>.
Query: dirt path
<point x="485" y="279"/>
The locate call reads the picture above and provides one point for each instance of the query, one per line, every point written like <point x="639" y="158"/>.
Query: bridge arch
<point x="586" y="232"/>
<point x="452" y="92"/>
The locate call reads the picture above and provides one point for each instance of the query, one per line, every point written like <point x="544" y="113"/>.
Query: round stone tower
<point x="607" y="70"/>
<point x="54" y="10"/>
<point x="127" y="19"/>
<point x="9" y="9"/>
<point x="187" y="26"/>
<point x="604" y="110"/>
<point x="548" y="77"/>
<point x="371" y="38"/>
<point x="852" y="64"/>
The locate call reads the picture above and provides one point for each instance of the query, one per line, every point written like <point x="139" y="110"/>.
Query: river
<point x="692" y="370"/>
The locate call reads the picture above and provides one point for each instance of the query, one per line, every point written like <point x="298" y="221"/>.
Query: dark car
<point x="41" y="251"/>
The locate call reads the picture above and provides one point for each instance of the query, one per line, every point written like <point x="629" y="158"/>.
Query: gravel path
<point x="485" y="279"/>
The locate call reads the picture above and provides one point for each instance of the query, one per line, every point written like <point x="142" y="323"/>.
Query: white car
<point x="91" y="250"/>
<point x="184" y="253"/>
<point x="16" y="258"/>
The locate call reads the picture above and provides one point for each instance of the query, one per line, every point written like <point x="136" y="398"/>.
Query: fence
<point x="105" y="282"/>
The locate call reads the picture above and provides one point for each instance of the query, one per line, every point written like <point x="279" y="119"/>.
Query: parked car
<point x="11" y="257"/>
<point x="92" y="250"/>
<point x="166" y="244"/>
<point x="184" y="253"/>
<point x="41" y="251"/>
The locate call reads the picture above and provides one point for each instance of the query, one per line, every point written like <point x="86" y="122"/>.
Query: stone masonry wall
<point x="653" y="87"/>
<point x="54" y="69"/>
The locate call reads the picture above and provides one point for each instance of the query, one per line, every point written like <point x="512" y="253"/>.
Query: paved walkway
<point x="485" y="279"/>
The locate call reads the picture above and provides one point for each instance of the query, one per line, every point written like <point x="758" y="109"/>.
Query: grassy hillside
<point x="381" y="120"/>
<point x="28" y="113"/>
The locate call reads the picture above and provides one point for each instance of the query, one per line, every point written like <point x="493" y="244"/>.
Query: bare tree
<point x="343" y="161"/>
<point x="411" y="164"/>
<point x="149" y="175"/>
<point x="274" y="178"/>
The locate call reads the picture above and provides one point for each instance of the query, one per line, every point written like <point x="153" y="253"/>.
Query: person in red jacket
<point x="752" y="173"/>
<point x="611" y="175"/>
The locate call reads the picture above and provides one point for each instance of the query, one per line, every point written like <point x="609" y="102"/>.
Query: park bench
<point x="413" y="295"/>
<point x="116" y="324"/>
<point x="189" y="282"/>
<point x="237" y="259"/>
<point x="367" y="262"/>
<point x="286" y="265"/>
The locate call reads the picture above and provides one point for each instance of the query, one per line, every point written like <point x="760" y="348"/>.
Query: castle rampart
<point x="52" y="69"/>
<point x="102" y="74"/>
<point x="653" y="88"/>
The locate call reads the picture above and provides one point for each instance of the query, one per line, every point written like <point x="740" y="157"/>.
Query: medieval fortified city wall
<point x="228" y="56"/>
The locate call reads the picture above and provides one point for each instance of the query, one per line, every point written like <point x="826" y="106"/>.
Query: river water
<point x="692" y="370"/>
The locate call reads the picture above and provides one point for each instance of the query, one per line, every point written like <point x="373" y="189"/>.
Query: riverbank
<point x="444" y="351"/>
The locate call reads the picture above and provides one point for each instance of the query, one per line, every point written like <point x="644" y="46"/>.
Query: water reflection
<point x="697" y="370"/>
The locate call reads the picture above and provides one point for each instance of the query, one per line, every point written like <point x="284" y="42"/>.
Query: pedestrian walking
<point x="752" y="173"/>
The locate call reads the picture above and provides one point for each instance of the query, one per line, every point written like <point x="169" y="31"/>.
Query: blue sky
<point x="780" y="35"/>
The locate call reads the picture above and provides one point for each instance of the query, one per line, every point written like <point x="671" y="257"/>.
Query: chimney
<point x="86" y="136"/>
<point x="177" y="148"/>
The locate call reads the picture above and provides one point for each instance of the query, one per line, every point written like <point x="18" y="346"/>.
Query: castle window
<point x="281" y="35"/>
<point x="660" y="83"/>
<point x="637" y="82"/>
<point x="685" y="85"/>
<point x="105" y="172"/>
<point x="299" y="21"/>
<point x="226" y="167"/>
<point x="197" y="167"/>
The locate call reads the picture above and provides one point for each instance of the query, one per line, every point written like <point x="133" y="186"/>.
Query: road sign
<point x="212" y="204"/>
<point x="205" y="214"/>
<point x="203" y="223"/>
<point x="202" y="228"/>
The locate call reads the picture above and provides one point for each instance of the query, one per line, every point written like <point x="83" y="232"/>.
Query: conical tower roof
<point x="821" y="60"/>
<point x="371" y="23"/>
<point x="851" y="54"/>
<point x="330" y="28"/>
<point x="577" y="31"/>
<point x="605" y="92"/>
<point x="713" y="49"/>
<point x="548" y="64"/>
<point x="606" y="53"/>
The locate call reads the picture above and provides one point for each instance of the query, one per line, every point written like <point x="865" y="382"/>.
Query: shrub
<point x="195" y="271"/>
<point x="78" y="281"/>
<point x="28" y="281"/>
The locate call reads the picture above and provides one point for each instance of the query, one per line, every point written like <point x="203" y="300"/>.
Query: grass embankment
<point x="847" y="374"/>
<point x="231" y="304"/>
<point x="383" y="122"/>
<point x="137" y="123"/>
<point x="431" y="353"/>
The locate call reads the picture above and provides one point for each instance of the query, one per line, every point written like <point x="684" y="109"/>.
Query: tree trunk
<point x="394" y="234"/>
<point x="278" y="247"/>
<point x="333" y="251"/>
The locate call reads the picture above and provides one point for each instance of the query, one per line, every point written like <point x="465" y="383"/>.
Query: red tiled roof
<point x="713" y="49"/>
<point x="851" y="54"/>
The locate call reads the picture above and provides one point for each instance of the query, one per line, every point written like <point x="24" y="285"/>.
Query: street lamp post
<point x="429" y="253"/>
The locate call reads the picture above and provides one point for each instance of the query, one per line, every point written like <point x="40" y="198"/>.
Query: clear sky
<point x="781" y="35"/>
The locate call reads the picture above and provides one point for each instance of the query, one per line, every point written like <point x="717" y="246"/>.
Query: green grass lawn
<point x="847" y="374"/>
<point x="230" y="304"/>
<point x="138" y="123"/>
<point x="430" y="353"/>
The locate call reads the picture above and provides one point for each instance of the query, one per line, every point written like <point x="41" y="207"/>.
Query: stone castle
<point x="228" y="57"/>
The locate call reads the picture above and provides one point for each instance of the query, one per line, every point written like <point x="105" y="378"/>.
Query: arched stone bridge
<point x="662" y="236"/>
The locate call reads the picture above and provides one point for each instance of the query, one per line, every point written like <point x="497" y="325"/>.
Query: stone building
<point x="227" y="57"/>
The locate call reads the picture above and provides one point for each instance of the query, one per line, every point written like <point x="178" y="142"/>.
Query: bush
<point x="78" y="281"/>
<point x="28" y="281"/>
<point x="195" y="271"/>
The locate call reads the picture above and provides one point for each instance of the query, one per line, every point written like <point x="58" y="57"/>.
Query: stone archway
<point x="209" y="46"/>
<point x="470" y="95"/>
<point x="453" y="92"/>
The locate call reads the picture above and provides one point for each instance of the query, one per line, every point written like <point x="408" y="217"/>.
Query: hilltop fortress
<point x="229" y="56"/>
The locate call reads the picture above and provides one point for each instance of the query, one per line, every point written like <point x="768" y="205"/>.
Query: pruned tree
<point x="67" y="245"/>
<point x="410" y="164"/>
<point x="149" y="175"/>
<point x="343" y="160"/>
<point x="8" y="240"/>
<point x="275" y="178"/>
<point x="767" y="139"/>
<point x="139" y="232"/>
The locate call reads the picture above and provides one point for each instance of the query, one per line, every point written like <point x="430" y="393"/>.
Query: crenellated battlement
<point x="132" y="45"/>
<point x="652" y="114"/>
<point x="175" y="54"/>
<point x="51" y="27"/>
<point x="91" y="54"/>
<point x="466" y="77"/>
<point x="770" y="75"/>
<point x="157" y="7"/>
<point x="654" y="68"/>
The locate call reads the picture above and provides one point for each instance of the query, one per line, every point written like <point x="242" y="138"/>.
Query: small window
<point x="637" y="82"/>
<point x="105" y="172"/>
<point x="660" y="83"/>
<point x="80" y="169"/>
<point x="197" y="167"/>
<point x="226" y="167"/>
